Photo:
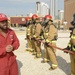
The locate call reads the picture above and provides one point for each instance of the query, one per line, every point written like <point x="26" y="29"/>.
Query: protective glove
<point x="46" y="43"/>
<point x="41" y="39"/>
<point x="67" y="48"/>
<point x="27" y="36"/>
<point x="33" y="39"/>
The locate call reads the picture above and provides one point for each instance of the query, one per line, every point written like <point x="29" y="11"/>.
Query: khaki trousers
<point x="37" y="46"/>
<point x="50" y="55"/>
<point x="33" y="45"/>
<point x="29" y="44"/>
<point x="46" y="56"/>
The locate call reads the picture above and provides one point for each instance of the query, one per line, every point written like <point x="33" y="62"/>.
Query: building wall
<point x="69" y="10"/>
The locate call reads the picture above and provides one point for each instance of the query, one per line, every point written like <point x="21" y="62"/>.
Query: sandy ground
<point x="28" y="65"/>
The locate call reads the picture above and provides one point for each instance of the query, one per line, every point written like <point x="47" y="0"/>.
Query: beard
<point x="4" y="27"/>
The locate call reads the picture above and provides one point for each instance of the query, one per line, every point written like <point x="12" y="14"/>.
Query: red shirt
<point x="10" y="39"/>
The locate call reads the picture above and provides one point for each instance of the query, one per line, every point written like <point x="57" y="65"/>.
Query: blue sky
<point x="18" y="7"/>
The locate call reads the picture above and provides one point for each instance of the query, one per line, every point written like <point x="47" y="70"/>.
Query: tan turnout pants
<point x="50" y="55"/>
<point x="72" y="57"/>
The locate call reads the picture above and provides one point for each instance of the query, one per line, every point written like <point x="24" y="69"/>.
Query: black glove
<point x="47" y="44"/>
<point x="33" y="38"/>
<point x="27" y="36"/>
<point x="40" y="39"/>
<point x="67" y="48"/>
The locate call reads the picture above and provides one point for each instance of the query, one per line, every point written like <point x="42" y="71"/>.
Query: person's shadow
<point x="19" y="66"/>
<point x="63" y="65"/>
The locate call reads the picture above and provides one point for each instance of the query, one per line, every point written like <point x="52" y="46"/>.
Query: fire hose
<point x="49" y="44"/>
<point x="68" y="51"/>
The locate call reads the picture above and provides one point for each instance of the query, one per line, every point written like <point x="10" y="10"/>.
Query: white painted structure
<point x="42" y="8"/>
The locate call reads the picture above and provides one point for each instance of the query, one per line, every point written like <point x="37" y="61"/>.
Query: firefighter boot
<point x="45" y="60"/>
<point x="34" y="53"/>
<point x="53" y="67"/>
<point x="32" y="50"/>
<point x="38" y="55"/>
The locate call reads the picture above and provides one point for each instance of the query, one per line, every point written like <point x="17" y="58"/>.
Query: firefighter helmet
<point x="28" y="18"/>
<point x="3" y="17"/>
<point x="28" y="21"/>
<point x="34" y="16"/>
<point x="48" y="17"/>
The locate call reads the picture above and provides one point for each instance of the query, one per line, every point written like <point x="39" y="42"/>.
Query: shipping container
<point x="18" y="21"/>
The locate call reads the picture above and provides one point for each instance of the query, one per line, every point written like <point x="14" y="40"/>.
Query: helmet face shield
<point x="34" y="20"/>
<point x="45" y="22"/>
<point x="47" y="18"/>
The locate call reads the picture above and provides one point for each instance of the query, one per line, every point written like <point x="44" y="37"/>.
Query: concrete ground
<point x="28" y="65"/>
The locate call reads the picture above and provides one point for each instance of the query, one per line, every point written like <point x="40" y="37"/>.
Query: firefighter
<point x="8" y="43"/>
<point x="71" y="46"/>
<point x="28" y="34"/>
<point x="32" y="33"/>
<point x="36" y="35"/>
<point x="50" y="33"/>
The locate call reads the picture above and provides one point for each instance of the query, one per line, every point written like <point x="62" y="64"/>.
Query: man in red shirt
<point x="8" y="43"/>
